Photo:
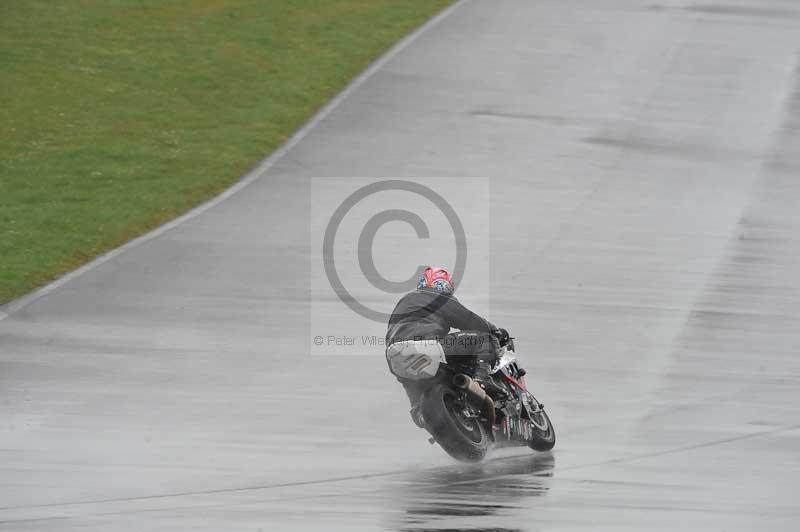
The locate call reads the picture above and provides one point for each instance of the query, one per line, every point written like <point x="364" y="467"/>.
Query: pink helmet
<point x="437" y="278"/>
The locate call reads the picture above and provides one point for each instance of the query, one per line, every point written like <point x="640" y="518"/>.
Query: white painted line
<point x="253" y="175"/>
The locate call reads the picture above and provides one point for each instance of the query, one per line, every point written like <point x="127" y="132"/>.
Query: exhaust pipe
<point x="476" y="395"/>
<point x="465" y="382"/>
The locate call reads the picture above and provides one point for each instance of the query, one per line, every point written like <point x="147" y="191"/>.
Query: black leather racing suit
<point x="426" y="314"/>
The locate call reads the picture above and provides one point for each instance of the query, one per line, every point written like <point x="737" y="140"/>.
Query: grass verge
<point x="118" y="115"/>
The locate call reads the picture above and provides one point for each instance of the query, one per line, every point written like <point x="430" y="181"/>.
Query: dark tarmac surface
<point x="643" y="223"/>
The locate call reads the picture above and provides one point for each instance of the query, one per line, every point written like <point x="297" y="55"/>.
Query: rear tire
<point x="544" y="435"/>
<point x="464" y="438"/>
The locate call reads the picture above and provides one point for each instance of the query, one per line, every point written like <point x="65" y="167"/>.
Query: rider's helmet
<point x="437" y="278"/>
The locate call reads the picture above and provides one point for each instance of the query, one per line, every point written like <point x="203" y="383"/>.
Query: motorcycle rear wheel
<point x="464" y="438"/>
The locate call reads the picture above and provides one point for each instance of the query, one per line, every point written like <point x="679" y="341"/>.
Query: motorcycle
<point x="468" y="412"/>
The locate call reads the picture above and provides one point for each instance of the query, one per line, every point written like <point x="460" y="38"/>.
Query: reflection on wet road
<point x="452" y="498"/>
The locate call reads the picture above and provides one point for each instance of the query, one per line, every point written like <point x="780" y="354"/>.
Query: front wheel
<point x="543" y="436"/>
<point x="459" y="433"/>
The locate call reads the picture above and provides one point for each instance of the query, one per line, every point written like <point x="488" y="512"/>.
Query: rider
<point x="428" y="314"/>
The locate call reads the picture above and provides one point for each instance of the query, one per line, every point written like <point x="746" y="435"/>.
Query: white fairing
<point x="505" y="357"/>
<point x="415" y="359"/>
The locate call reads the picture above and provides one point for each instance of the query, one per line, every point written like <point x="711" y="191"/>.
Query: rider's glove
<point x="502" y="336"/>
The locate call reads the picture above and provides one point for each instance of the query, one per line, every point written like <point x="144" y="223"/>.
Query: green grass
<point x="118" y="115"/>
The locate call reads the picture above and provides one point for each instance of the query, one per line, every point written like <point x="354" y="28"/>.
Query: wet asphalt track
<point x="644" y="161"/>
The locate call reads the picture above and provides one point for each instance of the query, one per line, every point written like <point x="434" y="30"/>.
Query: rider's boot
<point x="483" y="375"/>
<point x="414" y="397"/>
<point x="416" y="416"/>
